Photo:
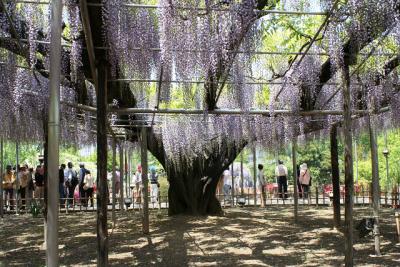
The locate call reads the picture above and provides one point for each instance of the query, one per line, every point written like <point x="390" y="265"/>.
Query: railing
<point x="316" y="196"/>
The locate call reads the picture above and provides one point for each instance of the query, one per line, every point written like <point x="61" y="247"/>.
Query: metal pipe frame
<point x="127" y="111"/>
<point x="157" y="49"/>
<point x="131" y="5"/>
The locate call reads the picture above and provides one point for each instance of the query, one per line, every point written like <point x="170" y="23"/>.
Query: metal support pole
<point x="348" y="167"/>
<point x="233" y="185"/>
<point x="375" y="184"/>
<point x="17" y="177"/>
<point x="145" y="181"/>
<point x="52" y="258"/>
<point x="255" y="174"/>
<point x="122" y="173"/>
<point x="114" y="163"/>
<point x="128" y="173"/>
<point x="386" y="154"/>
<point x="294" y="164"/>
<point x="241" y="175"/>
<point x="1" y="177"/>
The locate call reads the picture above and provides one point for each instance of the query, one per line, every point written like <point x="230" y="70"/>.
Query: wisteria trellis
<point x="198" y="44"/>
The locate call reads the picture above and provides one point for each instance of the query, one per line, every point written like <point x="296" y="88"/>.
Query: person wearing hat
<point x="305" y="179"/>
<point x="281" y="173"/>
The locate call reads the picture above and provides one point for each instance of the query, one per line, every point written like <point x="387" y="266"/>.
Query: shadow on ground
<point x="243" y="237"/>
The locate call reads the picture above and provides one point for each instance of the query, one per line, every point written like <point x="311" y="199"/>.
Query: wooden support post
<point x="397" y="218"/>
<point x="375" y="184"/>
<point x="102" y="184"/>
<point x="335" y="177"/>
<point x="294" y="164"/>
<point x="348" y="166"/>
<point x="1" y="177"/>
<point x="122" y="173"/>
<point x="114" y="174"/>
<point x="145" y="181"/>
<point x="255" y="174"/>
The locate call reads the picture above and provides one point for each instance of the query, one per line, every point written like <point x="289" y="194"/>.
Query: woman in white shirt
<point x="305" y="179"/>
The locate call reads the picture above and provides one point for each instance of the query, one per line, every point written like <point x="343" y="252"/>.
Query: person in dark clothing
<point x="71" y="182"/>
<point x="61" y="185"/>
<point x="82" y="173"/>
<point x="281" y="173"/>
<point x="39" y="183"/>
<point x="299" y="189"/>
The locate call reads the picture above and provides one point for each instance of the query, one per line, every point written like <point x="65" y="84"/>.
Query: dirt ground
<point x="243" y="237"/>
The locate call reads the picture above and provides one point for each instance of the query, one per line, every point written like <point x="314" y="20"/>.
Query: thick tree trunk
<point x="193" y="182"/>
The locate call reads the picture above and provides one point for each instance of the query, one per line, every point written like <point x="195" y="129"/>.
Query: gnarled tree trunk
<point x="193" y="182"/>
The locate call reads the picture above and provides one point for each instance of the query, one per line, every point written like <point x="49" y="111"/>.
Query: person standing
<point x="299" y="189"/>
<point x="281" y="173"/>
<point x="138" y="183"/>
<point x="61" y="184"/>
<point x="71" y="182"/>
<point x="262" y="183"/>
<point x="39" y="183"/>
<point x="23" y="185"/>
<point x="305" y="179"/>
<point x="8" y="186"/>
<point x="31" y="185"/>
<point x="154" y="185"/>
<point x="81" y="176"/>
<point x="227" y="188"/>
<point x="88" y="185"/>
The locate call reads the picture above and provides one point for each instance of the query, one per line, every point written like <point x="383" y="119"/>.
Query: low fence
<point x="316" y="196"/>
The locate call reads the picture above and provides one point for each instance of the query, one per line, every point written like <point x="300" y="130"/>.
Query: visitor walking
<point x="61" y="184"/>
<point x="154" y="185"/>
<point x="305" y="179"/>
<point x="262" y="183"/>
<point x="71" y="182"/>
<point x="281" y="173"/>
<point x="8" y="186"/>
<point x="138" y="183"/>
<point x="88" y="186"/>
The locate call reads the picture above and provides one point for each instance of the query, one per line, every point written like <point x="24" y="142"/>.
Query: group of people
<point x="281" y="174"/>
<point x="70" y="179"/>
<point x="21" y="184"/>
<point x="138" y="185"/>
